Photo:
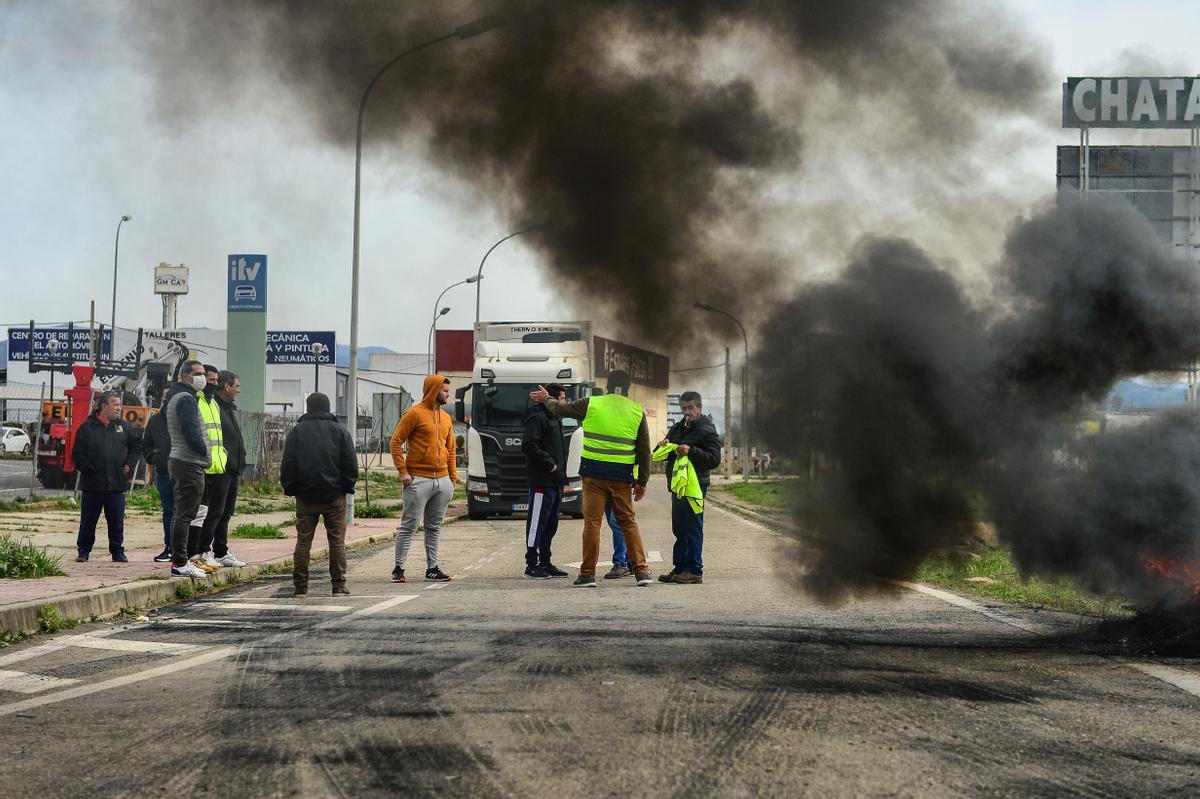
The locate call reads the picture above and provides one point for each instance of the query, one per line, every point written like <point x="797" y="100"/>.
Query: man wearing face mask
<point x="200" y="536"/>
<point x="188" y="460"/>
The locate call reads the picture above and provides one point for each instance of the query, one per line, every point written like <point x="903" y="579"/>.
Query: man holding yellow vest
<point x="615" y="459"/>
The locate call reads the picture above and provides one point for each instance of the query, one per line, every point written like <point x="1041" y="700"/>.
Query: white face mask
<point x="199" y="382"/>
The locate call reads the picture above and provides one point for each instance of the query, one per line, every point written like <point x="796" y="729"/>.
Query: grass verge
<point x="774" y="494"/>
<point x="991" y="573"/>
<point x="21" y="560"/>
<point x="257" y="531"/>
<point x="374" y="511"/>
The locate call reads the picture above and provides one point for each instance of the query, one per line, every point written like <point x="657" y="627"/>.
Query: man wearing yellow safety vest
<point x="201" y="531"/>
<point x="615" y="459"/>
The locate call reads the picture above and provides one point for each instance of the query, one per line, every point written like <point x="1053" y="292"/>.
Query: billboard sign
<point x="296" y="346"/>
<point x="170" y="279"/>
<point x="247" y="283"/>
<point x="643" y="367"/>
<point x="18" y="343"/>
<point x="1131" y="103"/>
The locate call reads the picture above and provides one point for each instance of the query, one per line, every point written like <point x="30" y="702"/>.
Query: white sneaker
<point x="231" y="560"/>
<point x="188" y="569"/>
<point x="211" y="559"/>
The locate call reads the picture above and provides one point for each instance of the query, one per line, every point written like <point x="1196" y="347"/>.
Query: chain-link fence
<point x="264" y="434"/>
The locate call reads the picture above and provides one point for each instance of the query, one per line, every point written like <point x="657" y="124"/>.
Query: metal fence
<point x="264" y="434"/>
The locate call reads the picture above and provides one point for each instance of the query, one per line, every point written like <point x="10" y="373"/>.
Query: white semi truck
<point x="512" y="359"/>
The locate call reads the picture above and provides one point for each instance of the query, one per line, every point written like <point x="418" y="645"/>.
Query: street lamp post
<point x="479" y="272"/>
<point x="52" y="345"/>
<point x="471" y="29"/>
<point x="318" y="349"/>
<point x="745" y="366"/>
<point x="112" y="326"/>
<point x="432" y="350"/>
<point x="429" y="344"/>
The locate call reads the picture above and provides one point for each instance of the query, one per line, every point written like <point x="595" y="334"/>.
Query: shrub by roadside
<point x="21" y="560"/>
<point x="257" y="531"/>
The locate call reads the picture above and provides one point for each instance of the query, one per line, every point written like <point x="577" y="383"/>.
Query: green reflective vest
<point x="210" y="421"/>
<point x="610" y="429"/>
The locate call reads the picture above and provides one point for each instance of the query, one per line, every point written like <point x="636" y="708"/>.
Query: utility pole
<point x="728" y="417"/>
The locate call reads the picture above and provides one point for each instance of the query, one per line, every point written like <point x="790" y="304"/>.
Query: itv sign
<point x="247" y="283"/>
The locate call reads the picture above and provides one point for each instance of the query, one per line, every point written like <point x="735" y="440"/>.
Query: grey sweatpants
<point x="425" y="499"/>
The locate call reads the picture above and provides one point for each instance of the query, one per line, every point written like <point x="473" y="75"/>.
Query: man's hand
<point x="406" y="479"/>
<point x="541" y="395"/>
<point x="683" y="449"/>
<point x="662" y="443"/>
<point x="639" y="492"/>
<point x="554" y="468"/>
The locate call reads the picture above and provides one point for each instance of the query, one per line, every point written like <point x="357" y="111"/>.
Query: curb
<point x="105" y="603"/>
<point x="741" y="510"/>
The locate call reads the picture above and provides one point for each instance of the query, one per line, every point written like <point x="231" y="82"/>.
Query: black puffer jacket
<point x="231" y="436"/>
<point x="704" y="446"/>
<point x="156" y="443"/>
<point x="101" y="453"/>
<point x="319" y="463"/>
<point x="542" y="443"/>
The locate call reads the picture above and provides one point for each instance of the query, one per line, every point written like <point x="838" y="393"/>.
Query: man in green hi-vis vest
<point x="615" y="466"/>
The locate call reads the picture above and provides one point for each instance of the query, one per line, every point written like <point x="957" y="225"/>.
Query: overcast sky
<point x="80" y="145"/>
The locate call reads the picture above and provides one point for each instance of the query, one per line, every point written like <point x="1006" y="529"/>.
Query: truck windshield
<point x="504" y="404"/>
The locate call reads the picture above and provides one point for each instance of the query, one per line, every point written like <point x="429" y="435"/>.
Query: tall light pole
<point x="479" y="272"/>
<point x="745" y="366"/>
<point x="318" y="349"/>
<point x="112" y="326"/>
<point x="471" y="29"/>
<point x="429" y="344"/>
<point x="432" y="345"/>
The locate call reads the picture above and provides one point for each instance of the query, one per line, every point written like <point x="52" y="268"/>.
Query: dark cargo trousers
<point x="307" y="514"/>
<point x="187" y="480"/>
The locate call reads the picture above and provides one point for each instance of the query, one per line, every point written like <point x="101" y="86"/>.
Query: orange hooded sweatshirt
<point x="429" y="432"/>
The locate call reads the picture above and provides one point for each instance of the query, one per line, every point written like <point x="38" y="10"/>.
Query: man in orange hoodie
<point x="428" y="472"/>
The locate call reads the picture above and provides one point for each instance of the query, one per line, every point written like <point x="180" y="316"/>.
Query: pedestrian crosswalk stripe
<point x="31" y="652"/>
<point x="293" y="607"/>
<point x="384" y="605"/>
<point x="126" y="645"/>
<point x="23" y="683"/>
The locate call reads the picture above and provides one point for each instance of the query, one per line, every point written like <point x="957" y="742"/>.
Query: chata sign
<point x="1131" y="103"/>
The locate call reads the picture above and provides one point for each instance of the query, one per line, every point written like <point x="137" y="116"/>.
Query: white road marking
<point x="289" y="599"/>
<point x="293" y="607"/>
<point x="469" y="568"/>
<point x="31" y="652"/>
<point x="969" y="604"/>
<point x="204" y="621"/>
<point x="117" y="682"/>
<point x="123" y="645"/>
<point x="23" y="683"/>
<point x="653" y="556"/>
<point x="387" y="603"/>
<point x="436" y="586"/>
<point x="1181" y="678"/>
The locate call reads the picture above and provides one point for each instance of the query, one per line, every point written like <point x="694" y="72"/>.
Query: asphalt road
<point x="493" y="685"/>
<point x="14" y="480"/>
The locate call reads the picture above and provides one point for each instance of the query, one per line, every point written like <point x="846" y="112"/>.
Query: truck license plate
<point x="521" y="506"/>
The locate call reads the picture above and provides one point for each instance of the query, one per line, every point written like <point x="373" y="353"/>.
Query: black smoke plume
<point x="638" y="132"/>
<point x="920" y="407"/>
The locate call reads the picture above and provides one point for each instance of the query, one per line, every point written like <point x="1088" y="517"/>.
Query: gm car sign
<point x="1131" y="103"/>
<point x="247" y="283"/>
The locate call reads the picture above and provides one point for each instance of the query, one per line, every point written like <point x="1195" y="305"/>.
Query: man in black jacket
<point x="700" y="443"/>
<point x="545" y="466"/>
<point x="105" y="453"/>
<point x="319" y="469"/>
<point x="156" y="449"/>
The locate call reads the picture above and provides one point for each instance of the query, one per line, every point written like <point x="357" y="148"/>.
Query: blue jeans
<point x="620" y="553"/>
<point x="688" y="527"/>
<point x="112" y="504"/>
<point x="167" y="494"/>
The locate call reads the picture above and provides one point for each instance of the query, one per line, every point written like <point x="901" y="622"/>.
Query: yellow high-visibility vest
<point x="210" y="420"/>
<point x="610" y="429"/>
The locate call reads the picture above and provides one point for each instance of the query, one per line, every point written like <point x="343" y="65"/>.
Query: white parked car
<point x="13" y="440"/>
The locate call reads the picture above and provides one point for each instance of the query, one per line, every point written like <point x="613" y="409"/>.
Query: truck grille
<point x="505" y="470"/>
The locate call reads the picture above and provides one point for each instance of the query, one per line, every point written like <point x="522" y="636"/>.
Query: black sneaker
<point x="163" y="557"/>
<point x="536" y="573"/>
<point x="554" y="571"/>
<point x="398" y="575"/>
<point x="81" y="558"/>
<point x="617" y="572"/>
<point x="437" y="575"/>
<point x="120" y="557"/>
<point x="644" y="579"/>
<point x="585" y="581"/>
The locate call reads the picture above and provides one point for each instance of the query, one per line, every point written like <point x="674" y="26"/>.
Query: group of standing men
<point x="614" y="468"/>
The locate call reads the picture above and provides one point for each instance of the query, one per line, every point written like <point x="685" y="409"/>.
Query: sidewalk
<point x="101" y="588"/>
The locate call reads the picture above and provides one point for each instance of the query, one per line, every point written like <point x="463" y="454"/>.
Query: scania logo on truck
<point x="512" y="442"/>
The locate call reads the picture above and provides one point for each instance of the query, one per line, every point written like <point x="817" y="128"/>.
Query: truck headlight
<point x="477" y="486"/>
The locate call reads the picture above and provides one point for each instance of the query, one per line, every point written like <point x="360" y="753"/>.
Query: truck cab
<point x="504" y="373"/>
